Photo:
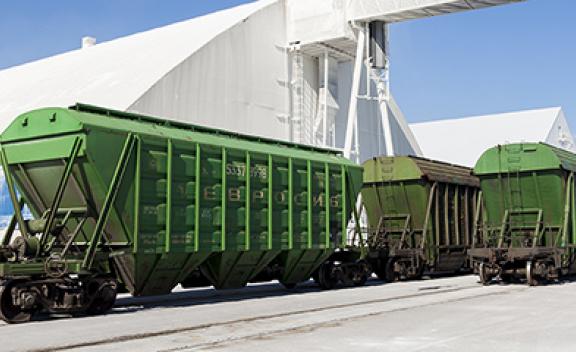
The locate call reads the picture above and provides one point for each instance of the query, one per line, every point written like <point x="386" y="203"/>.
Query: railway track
<point x="285" y="322"/>
<point x="211" y="295"/>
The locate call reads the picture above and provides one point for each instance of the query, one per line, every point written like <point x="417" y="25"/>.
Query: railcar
<point x="125" y="200"/>
<point x="527" y="225"/>
<point x="420" y="216"/>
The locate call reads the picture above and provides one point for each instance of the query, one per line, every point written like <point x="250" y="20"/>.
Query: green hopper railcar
<point x="121" y="199"/>
<point x="527" y="227"/>
<point x="420" y="216"/>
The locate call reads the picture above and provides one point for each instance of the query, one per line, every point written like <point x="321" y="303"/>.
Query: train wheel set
<point x="121" y="201"/>
<point x="526" y="224"/>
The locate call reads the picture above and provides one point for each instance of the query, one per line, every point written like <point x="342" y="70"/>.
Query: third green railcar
<point x="420" y="216"/>
<point x="528" y="222"/>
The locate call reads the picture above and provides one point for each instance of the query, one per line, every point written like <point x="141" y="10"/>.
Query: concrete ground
<point x="448" y="314"/>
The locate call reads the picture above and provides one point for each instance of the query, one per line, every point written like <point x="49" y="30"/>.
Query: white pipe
<point x="353" y="109"/>
<point x="368" y="60"/>
<point x="383" y="86"/>
<point x="383" y="103"/>
<point x="356" y="141"/>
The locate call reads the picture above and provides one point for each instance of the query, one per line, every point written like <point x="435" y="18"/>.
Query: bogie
<point x="22" y="298"/>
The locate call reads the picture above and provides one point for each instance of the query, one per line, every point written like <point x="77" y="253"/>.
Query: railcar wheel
<point x="9" y="312"/>
<point x="326" y="278"/>
<point x="378" y="269"/>
<point x="485" y="277"/>
<point x="390" y="271"/>
<point x="104" y="297"/>
<point x="419" y="272"/>
<point x="386" y="270"/>
<point x="530" y="277"/>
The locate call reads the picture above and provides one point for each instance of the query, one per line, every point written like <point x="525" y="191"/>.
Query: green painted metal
<point x="573" y="212"/>
<point x="169" y="186"/>
<point x="344" y="208"/>
<point x="409" y="168"/>
<point x="60" y="191"/>
<point x="223" y="195"/>
<point x="17" y="210"/>
<point x="290" y="203"/>
<point x="419" y="209"/>
<point x="309" y="209"/>
<point x="248" y="201"/>
<point x="270" y="204"/>
<point x="111" y="195"/>
<point x="175" y="198"/>
<point x="524" y="157"/>
<point x="528" y="191"/>
<point x="137" y="185"/>
<point x="198" y="170"/>
<point x="327" y="204"/>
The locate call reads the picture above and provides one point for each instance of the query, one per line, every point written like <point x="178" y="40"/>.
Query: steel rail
<point x="166" y="332"/>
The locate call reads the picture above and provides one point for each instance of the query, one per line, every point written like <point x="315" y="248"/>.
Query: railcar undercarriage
<point x="535" y="266"/>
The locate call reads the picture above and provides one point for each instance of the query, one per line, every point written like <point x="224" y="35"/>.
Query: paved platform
<point x="448" y="314"/>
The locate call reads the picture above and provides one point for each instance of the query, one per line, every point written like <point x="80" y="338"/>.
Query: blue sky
<point x="501" y="59"/>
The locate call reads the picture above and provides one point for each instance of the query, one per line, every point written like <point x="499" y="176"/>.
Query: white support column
<point x="321" y="130"/>
<point x="352" y="122"/>
<point x="382" y="80"/>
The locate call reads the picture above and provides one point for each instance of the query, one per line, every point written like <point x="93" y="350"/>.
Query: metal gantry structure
<point x="372" y="53"/>
<point x="367" y="25"/>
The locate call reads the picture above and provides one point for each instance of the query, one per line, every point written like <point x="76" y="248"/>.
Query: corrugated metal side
<point x="523" y="157"/>
<point x="393" y="169"/>
<point x="188" y="193"/>
<point x="444" y="172"/>
<point x="567" y="159"/>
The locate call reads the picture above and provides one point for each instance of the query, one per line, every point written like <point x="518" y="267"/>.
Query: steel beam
<point x="109" y="200"/>
<point x="60" y="190"/>
<point x="352" y="123"/>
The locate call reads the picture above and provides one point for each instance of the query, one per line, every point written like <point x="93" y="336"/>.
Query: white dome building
<point x="297" y="70"/>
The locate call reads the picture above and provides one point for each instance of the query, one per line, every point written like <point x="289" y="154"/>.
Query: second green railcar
<point x="527" y="228"/>
<point x="124" y="199"/>
<point x="420" y="216"/>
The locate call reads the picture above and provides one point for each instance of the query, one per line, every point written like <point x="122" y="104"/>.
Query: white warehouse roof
<point x="233" y="69"/>
<point x="462" y="141"/>
<point x="113" y="74"/>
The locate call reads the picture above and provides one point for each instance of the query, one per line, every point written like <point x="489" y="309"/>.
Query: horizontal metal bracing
<point x="202" y="129"/>
<point x="395" y="11"/>
<point x="415" y="168"/>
